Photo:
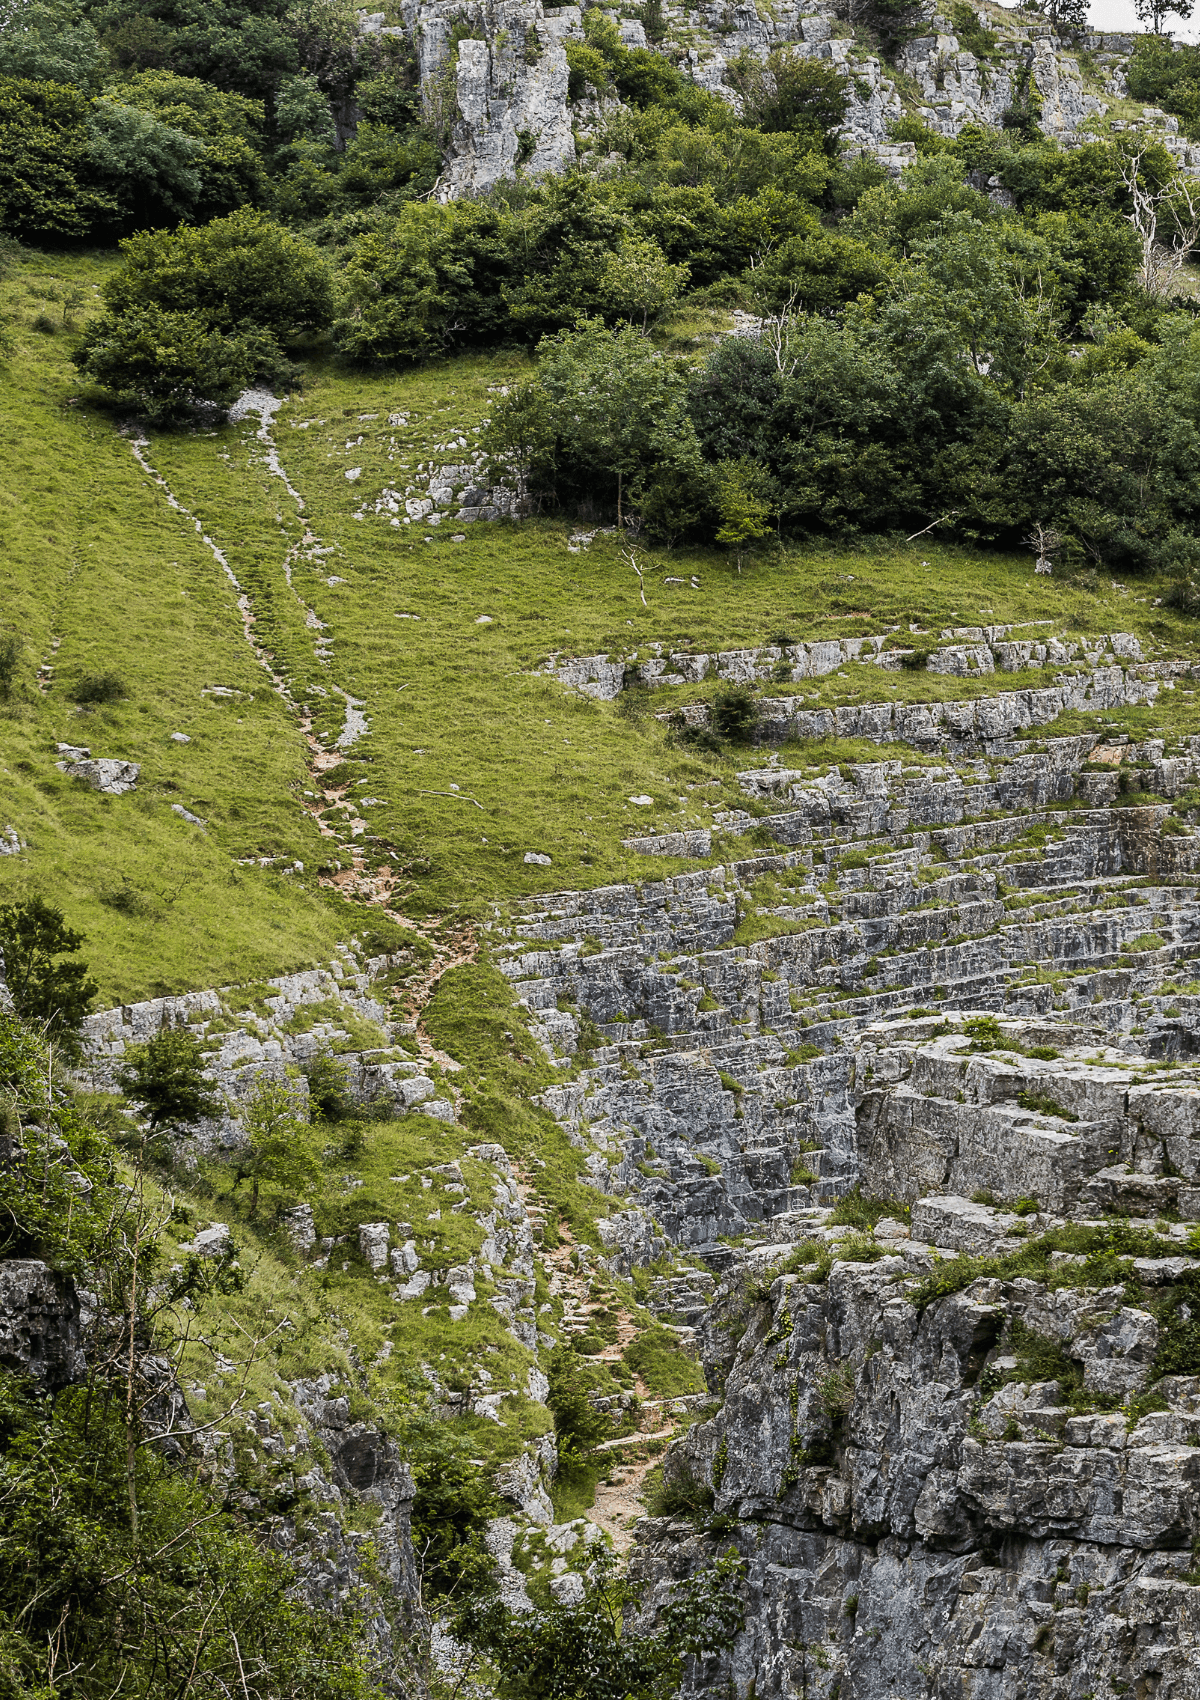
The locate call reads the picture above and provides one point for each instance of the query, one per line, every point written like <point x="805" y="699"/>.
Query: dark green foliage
<point x="732" y="399"/>
<point x="47" y="984"/>
<point x="165" y="364"/>
<point x="47" y="41"/>
<point x="604" y="420"/>
<point x="245" y="48"/>
<point x="569" y="1652"/>
<point x="681" y="1495"/>
<point x="278" y="1153"/>
<point x="807" y="97"/>
<point x="578" y="1425"/>
<point x="234" y="271"/>
<point x="734" y="714"/>
<point x="973" y="36"/>
<point x="1178" y="1316"/>
<point x="454" y="1503"/>
<point x="10" y="655"/>
<point x="119" y="1571"/>
<point x="198" y="314"/>
<point x="93" y="688"/>
<point x="46" y="1147"/>
<point x="190" y="1601"/>
<point x="329" y="1087"/>
<point x="166" y="1076"/>
<point x="1041" y="1358"/>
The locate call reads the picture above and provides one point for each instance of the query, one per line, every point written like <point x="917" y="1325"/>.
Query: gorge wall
<point x="501" y="90"/>
<point x="958" y="1447"/>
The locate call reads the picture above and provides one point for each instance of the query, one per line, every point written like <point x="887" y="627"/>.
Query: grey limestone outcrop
<point x="250" y="1037"/>
<point x="960" y="979"/>
<point x="495" y="77"/>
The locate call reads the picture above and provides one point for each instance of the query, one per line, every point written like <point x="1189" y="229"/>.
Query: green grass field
<point x="103" y="575"/>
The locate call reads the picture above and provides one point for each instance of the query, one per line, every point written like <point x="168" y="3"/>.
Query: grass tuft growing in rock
<point x="1107" y="1253"/>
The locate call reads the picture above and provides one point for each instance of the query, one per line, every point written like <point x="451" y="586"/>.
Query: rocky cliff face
<point x="959" y="1449"/>
<point x="961" y="1453"/>
<point x="496" y="77"/>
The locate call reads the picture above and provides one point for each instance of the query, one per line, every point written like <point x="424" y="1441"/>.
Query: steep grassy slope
<point x="103" y="575"/>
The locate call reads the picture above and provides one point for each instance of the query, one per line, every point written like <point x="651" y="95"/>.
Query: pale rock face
<point x="503" y="105"/>
<point x="373" y="1243"/>
<point x="944" y="1520"/>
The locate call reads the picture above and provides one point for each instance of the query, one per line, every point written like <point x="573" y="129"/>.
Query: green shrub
<point x="97" y="688"/>
<point x="682" y="1496"/>
<point x="854" y="1210"/>
<point x="734" y="714"/>
<point x="10" y="655"/>
<point x="665" y="1368"/>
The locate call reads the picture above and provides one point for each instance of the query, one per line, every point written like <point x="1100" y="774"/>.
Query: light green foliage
<point x="604" y="403"/>
<point x="638" y="281"/>
<point x="1106" y="1252"/>
<point x="743" y="506"/>
<point x="665" y="1368"/>
<point x="45" y="162"/>
<point x="172" y="906"/>
<point x="279" y="1153"/>
<point x="855" y="1210"/>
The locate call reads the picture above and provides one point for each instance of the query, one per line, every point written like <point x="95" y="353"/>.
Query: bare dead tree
<point x="1045" y="541"/>
<point x="629" y="556"/>
<point x="1167" y="222"/>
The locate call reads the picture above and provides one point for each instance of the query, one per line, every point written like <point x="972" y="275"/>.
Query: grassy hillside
<point x="103" y="576"/>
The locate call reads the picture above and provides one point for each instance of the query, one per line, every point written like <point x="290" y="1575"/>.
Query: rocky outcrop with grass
<point x="498" y="84"/>
<point x="916" y="1083"/>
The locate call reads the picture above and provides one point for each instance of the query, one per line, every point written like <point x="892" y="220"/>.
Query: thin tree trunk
<point x="130" y="1442"/>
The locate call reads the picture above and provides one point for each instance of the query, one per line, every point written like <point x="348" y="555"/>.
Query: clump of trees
<point x="198" y="314"/>
<point x="1006" y="369"/>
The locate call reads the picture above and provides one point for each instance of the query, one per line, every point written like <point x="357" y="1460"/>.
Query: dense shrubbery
<point x="119" y="1570"/>
<point x="119" y="115"/>
<point x="201" y="313"/>
<point x="930" y="357"/>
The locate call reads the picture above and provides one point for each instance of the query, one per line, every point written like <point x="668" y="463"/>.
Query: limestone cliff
<point x="495" y="77"/>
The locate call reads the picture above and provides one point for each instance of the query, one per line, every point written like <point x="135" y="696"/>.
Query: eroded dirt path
<point x="331" y="807"/>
